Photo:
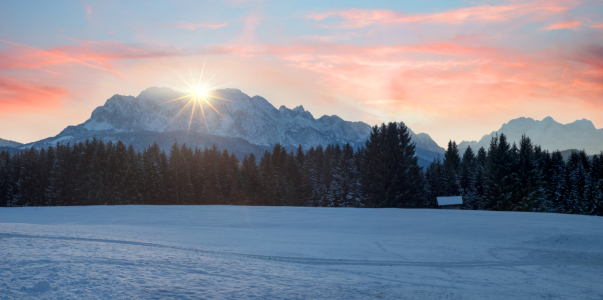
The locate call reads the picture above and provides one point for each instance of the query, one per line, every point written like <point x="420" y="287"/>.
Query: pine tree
<point x="468" y="180"/>
<point x="597" y="184"/>
<point x="452" y="164"/>
<point x="390" y="174"/>
<point x="5" y="178"/>
<point x="60" y="177"/>
<point x="480" y="167"/>
<point x="528" y="188"/>
<point x="498" y="175"/>
<point x="251" y="180"/>
<point x="197" y="177"/>
<point x="435" y="183"/>
<point x="180" y="174"/>
<point x="304" y="186"/>
<point x="211" y="180"/>
<point x="578" y="185"/>
<point x="317" y="178"/>
<point x="133" y="182"/>
<point x="152" y="177"/>
<point x="350" y="178"/>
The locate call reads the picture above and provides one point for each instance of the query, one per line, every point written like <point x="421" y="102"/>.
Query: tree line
<point x="383" y="173"/>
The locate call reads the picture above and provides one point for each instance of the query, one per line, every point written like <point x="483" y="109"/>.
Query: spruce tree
<point x="528" y="188"/>
<point x="578" y="185"/>
<point x="452" y="165"/>
<point x="498" y="175"/>
<point x="251" y="180"/>
<point x="435" y="183"/>
<point x="390" y="174"/>
<point x="468" y="180"/>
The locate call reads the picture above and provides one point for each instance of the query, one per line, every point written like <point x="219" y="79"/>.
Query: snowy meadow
<point x="239" y="252"/>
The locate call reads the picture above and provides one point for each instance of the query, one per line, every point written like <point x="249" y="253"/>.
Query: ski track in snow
<point x="220" y="252"/>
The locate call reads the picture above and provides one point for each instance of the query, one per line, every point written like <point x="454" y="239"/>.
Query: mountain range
<point x="244" y="125"/>
<point x="237" y="122"/>
<point x="548" y="133"/>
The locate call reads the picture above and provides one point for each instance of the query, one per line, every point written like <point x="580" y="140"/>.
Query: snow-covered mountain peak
<point x="232" y="119"/>
<point x="230" y="114"/>
<point x="583" y="124"/>
<point x="548" y="133"/>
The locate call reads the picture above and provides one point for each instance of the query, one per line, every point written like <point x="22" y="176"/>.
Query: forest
<point x="383" y="173"/>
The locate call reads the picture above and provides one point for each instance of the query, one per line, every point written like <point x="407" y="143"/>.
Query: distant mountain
<point x="548" y="133"/>
<point x="9" y="144"/>
<point x="244" y="125"/>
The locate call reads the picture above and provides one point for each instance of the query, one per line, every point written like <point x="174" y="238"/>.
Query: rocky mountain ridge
<point x="548" y="133"/>
<point x="234" y="121"/>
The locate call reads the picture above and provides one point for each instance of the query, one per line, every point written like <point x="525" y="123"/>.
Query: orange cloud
<point x="564" y="25"/>
<point x="356" y="18"/>
<point x="193" y="26"/>
<point x="16" y="95"/>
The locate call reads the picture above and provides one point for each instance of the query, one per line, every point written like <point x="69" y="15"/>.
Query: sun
<point x="198" y="96"/>
<point x="201" y="91"/>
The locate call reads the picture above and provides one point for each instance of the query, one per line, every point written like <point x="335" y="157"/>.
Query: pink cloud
<point x="438" y="77"/>
<point x="597" y="25"/>
<point x="356" y="18"/>
<point x="193" y="26"/>
<point x="91" y="54"/>
<point x="17" y="95"/>
<point x="564" y="25"/>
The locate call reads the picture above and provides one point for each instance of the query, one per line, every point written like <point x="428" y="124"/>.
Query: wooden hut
<point x="450" y="202"/>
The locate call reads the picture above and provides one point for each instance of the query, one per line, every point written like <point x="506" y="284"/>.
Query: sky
<point x="456" y="70"/>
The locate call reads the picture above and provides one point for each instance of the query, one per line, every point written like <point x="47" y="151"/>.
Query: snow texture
<point x="235" y="252"/>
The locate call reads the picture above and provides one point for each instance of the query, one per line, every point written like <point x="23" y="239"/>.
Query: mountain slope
<point x="10" y="144"/>
<point x="548" y="133"/>
<point x="244" y="124"/>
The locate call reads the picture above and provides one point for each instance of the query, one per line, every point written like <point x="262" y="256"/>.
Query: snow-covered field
<point x="234" y="252"/>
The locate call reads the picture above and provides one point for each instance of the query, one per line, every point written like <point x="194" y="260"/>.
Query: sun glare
<point x="199" y="95"/>
<point x="201" y="91"/>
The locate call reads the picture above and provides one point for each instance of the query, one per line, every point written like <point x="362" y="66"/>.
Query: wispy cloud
<point x="91" y="54"/>
<point x="564" y="25"/>
<point x="356" y="18"/>
<point x="16" y="95"/>
<point x="194" y="26"/>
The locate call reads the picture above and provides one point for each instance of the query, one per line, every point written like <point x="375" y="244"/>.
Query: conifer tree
<point x="435" y="183"/>
<point x="60" y="176"/>
<point x="452" y="164"/>
<point x="498" y="175"/>
<point x="468" y="180"/>
<point x="578" y="185"/>
<point x="528" y="189"/>
<point x="180" y="172"/>
<point x="251" y="183"/>
<point x="597" y="185"/>
<point x="211" y="180"/>
<point x="390" y="174"/>
<point x="5" y="178"/>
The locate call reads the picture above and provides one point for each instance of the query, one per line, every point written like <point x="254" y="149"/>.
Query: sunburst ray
<point x="198" y="92"/>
